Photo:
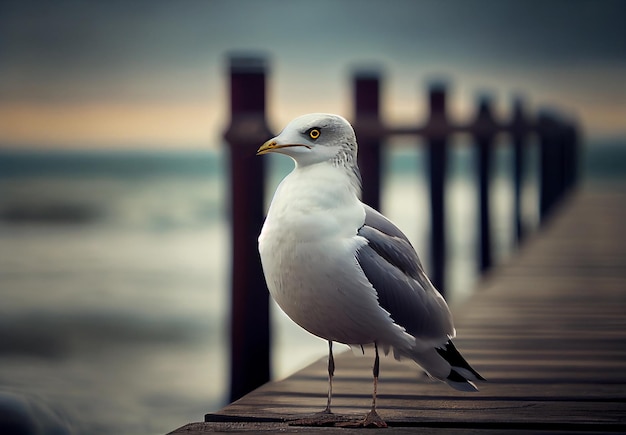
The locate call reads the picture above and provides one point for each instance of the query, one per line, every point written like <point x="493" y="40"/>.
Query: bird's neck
<point x="338" y="175"/>
<point x="321" y="196"/>
<point x="317" y="188"/>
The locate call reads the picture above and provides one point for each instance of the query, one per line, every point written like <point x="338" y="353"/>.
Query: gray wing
<point x="393" y="268"/>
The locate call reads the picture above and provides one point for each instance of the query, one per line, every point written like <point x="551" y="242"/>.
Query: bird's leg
<point x="375" y="372"/>
<point x="331" y="373"/>
<point x="325" y="417"/>
<point x="372" y="419"/>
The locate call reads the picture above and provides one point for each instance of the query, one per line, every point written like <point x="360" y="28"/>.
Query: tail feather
<point x="461" y="373"/>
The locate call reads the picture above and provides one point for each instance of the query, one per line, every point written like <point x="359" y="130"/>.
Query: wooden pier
<point x="548" y="331"/>
<point x="554" y="136"/>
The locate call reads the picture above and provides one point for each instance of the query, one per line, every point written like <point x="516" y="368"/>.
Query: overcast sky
<point x="151" y="74"/>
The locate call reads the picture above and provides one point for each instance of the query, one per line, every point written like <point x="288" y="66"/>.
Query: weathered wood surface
<point x="548" y="331"/>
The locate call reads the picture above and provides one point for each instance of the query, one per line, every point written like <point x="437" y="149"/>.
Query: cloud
<point x="72" y="54"/>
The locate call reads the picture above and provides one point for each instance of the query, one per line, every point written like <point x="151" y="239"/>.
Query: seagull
<point x="343" y="271"/>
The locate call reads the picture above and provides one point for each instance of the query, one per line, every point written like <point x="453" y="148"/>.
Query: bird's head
<point x="315" y="138"/>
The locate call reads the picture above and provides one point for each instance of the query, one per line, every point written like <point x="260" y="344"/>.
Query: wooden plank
<point x="547" y="329"/>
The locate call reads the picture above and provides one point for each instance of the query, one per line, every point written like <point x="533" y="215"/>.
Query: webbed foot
<point x="371" y="420"/>
<point x="323" y="418"/>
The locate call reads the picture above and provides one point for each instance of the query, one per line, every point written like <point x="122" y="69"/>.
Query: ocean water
<point x="114" y="278"/>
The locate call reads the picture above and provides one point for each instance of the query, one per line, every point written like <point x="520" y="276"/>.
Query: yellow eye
<point x="314" y="133"/>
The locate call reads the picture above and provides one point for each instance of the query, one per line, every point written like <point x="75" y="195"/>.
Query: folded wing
<point x="393" y="268"/>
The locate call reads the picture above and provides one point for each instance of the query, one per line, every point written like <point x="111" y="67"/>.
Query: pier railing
<point x="557" y="139"/>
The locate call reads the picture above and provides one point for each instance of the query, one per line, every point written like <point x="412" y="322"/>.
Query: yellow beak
<point x="272" y="145"/>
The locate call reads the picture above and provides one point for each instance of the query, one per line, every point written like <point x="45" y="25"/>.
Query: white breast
<point x="307" y="248"/>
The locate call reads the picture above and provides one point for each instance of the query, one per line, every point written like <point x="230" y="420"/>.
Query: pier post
<point x="437" y="130"/>
<point x="484" y="130"/>
<point x="519" y="135"/>
<point x="368" y="128"/>
<point x="549" y="164"/>
<point x="250" y="336"/>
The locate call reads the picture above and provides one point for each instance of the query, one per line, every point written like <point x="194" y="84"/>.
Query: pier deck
<point x="547" y="329"/>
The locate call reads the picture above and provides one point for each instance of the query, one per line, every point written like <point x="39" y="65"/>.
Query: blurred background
<point x="114" y="200"/>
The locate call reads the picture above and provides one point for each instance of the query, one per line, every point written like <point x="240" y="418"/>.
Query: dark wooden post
<point x="250" y="338"/>
<point x="368" y="127"/>
<point x="519" y="133"/>
<point x="561" y="159"/>
<point x="549" y="167"/>
<point x="484" y="130"/>
<point x="568" y="156"/>
<point x="437" y="130"/>
<point x="572" y="155"/>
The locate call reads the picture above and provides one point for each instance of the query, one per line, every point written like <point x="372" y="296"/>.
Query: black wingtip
<point x="460" y="382"/>
<point x="455" y="359"/>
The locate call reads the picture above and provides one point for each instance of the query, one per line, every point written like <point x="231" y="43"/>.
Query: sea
<point x="115" y="270"/>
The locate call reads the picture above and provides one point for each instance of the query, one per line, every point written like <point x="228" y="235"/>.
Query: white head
<point x="316" y="138"/>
